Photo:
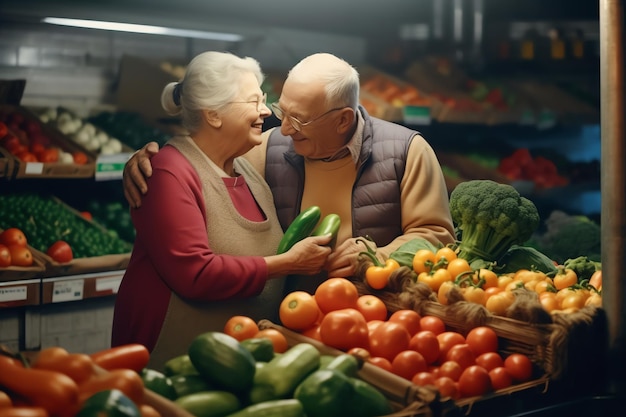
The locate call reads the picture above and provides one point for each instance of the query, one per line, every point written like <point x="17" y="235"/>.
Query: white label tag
<point x="67" y="290"/>
<point x="108" y="284"/>
<point x="34" y="168"/>
<point x="19" y="293"/>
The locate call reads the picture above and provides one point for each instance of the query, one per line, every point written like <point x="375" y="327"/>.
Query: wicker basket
<point x="559" y="344"/>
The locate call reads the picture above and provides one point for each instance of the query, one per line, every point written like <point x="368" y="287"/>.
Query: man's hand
<point x="136" y="170"/>
<point x="343" y="261"/>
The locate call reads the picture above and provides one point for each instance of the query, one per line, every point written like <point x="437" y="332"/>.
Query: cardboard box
<point x="140" y="85"/>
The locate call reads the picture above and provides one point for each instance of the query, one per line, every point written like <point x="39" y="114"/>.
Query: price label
<point x="17" y="293"/>
<point x="68" y="290"/>
<point x="108" y="284"/>
<point x="34" y="168"/>
<point x="111" y="167"/>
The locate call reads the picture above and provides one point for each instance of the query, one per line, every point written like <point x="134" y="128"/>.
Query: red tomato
<point x="446" y="341"/>
<point x="482" y="339"/>
<point x="500" y="378"/>
<point x="13" y="236"/>
<point x="423" y="378"/>
<point x="448" y="388"/>
<point x="3" y="129"/>
<point x="474" y="381"/>
<point x="276" y="337"/>
<point x="87" y="215"/>
<point x="519" y="366"/>
<point x="432" y="323"/>
<point x="241" y="327"/>
<point x="48" y="155"/>
<point x="60" y="251"/>
<point x="410" y="319"/>
<point x="426" y="343"/>
<point x="489" y="360"/>
<point x="372" y="307"/>
<point x="450" y="369"/>
<point x="298" y="310"/>
<point x="389" y="339"/>
<point x="407" y="363"/>
<point x="345" y="329"/>
<point x="461" y="354"/>
<point x="5" y="256"/>
<point x="383" y="363"/>
<point x="336" y="294"/>
<point x="20" y="255"/>
<point x="27" y="156"/>
<point x="313" y="332"/>
<point x="80" y="158"/>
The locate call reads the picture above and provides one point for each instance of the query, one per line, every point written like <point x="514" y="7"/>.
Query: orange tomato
<point x="389" y="339"/>
<point x="298" y="310"/>
<point x="498" y="303"/>
<point x="432" y="323"/>
<point x="5" y="256"/>
<point x="20" y="255"/>
<point x="407" y="363"/>
<point x="426" y="343"/>
<point x="80" y="158"/>
<point x="381" y="362"/>
<point x="279" y="341"/>
<point x="372" y="307"/>
<point x="13" y="236"/>
<point x="447" y="387"/>
<point x="345" y="329"/>
<point x="241" y="327"/>
<point x="336" y="294"/>
<point x="312" y="332"/>
<point x="410" y="319"/>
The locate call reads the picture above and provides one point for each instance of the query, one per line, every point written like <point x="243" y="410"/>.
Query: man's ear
<point x="212" y="118"/>
<point x="346" y="121"/>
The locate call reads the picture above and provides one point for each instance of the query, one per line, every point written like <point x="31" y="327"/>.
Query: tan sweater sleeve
<point x="424" y="199"/>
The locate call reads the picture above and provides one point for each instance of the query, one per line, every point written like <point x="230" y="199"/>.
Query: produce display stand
<point x="407" y="399"/>
<point x="559" y="345"/>
<point x="49" y="169"/>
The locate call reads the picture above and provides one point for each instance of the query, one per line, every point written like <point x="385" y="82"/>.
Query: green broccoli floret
<point x="570" y="236"/>
<point x="490" y="217"/>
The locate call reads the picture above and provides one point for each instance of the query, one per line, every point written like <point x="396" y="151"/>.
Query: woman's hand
<point x="307" y="257"/>
<point x="136" y="170"/>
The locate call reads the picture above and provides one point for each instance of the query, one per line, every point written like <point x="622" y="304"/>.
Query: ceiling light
<point x="134" y="28"/>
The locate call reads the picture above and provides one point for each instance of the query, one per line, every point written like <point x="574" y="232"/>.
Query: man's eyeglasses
<point x="260" y="102"/>
<point x="297" y="124"/>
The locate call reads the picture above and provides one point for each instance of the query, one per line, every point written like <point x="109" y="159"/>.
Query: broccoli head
<point x="490" y="217"/>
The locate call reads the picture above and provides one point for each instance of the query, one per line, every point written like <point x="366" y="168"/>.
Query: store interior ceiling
<point x="363" y="18"/>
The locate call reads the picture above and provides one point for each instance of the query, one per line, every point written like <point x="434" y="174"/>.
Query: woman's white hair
<point x="211" y="80"/>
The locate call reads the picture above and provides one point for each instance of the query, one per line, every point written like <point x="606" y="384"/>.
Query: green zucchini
<point x="289" y="407"/>
<point x="262" y="348"/>
<point x="280" y="377"/>
<point x="209" y="403"/>
<point x="367" y="400"/>
<point x="300" y="227"/>
<point x="189" y="384"/>
<point x="179" y="365"/>
<point x="329" y="224"/>
<point x="158" y="383"/>
<point x="345" y="363"/>
<point x="221" y="360"/>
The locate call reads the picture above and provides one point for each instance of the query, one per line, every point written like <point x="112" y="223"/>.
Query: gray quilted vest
<point x="376" y="210"/>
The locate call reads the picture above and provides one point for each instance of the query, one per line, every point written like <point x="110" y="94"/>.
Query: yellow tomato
<point x="498" y="303"/>
<point x="458" y="266"/>
<point x="423" y="261"/>
<point x="446" y="252"/>
<point x="474" y="295"/>
<point x="565" y="278"/>
<point x="594" y="299"/>
<point x="549" y="301"/>
<point x="488" y="276"/>
<point x="574" y="300"/>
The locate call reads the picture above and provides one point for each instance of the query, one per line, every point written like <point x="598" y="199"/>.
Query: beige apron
<point x="232" y="234"/>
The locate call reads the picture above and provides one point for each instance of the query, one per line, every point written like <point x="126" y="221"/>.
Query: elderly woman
<point x="207" y="233"/>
